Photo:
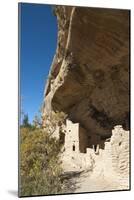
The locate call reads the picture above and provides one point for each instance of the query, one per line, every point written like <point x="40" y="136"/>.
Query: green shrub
<point x="25" y="122"/>
<point x="39" y="163"/>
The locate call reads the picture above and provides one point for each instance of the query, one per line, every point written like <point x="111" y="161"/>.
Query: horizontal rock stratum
<point x="89" y="76"/>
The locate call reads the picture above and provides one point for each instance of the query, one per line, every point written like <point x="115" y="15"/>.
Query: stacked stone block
<point x="120" y="155"/>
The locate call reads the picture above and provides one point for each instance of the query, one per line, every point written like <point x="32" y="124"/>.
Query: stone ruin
<point x="81" y="152"/>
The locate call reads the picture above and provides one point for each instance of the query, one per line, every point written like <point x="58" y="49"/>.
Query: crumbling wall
<point x="120" y="154"/>
<point x="116" y="157"/>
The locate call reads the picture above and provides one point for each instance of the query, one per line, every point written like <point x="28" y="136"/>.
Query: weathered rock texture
<point x="89" y="76"/>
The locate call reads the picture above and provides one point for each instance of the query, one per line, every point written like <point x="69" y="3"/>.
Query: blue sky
<point x="38" y="40"/>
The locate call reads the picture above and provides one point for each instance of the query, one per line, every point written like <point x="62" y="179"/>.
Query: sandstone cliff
<point x="89" y="76"/>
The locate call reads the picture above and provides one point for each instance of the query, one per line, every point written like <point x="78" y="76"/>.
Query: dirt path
<point x="88" y="182"/>
<point x="92" y="181"/>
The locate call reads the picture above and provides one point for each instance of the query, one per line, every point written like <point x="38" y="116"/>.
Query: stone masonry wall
<point x="120" y="154"/>
<point x="116" y="156"/>
<point x="72" y="137"/>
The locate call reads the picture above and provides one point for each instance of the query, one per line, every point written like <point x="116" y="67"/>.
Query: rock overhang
<point x="91" y="83"/>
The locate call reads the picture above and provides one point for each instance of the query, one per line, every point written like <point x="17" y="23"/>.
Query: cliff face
<point x="89" y="76"/>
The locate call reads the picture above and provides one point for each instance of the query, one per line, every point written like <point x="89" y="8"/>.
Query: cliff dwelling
<point x="89" y="81"/>
<point x="77" y="139"/>
<point x="84" y="152"/>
